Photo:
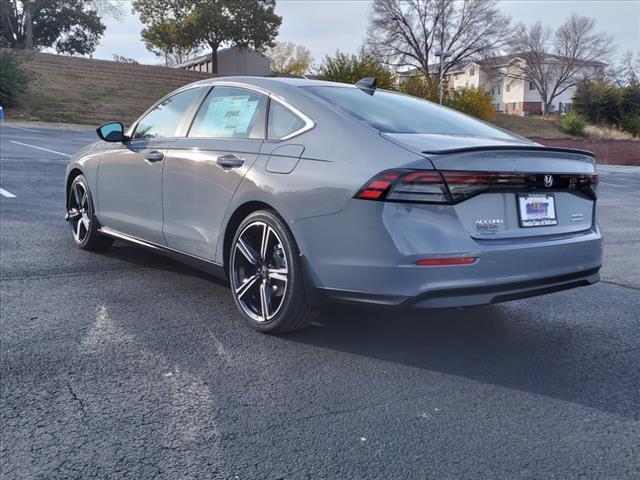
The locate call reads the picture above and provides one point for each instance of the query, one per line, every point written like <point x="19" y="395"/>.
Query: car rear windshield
<point x="395" y="113"/>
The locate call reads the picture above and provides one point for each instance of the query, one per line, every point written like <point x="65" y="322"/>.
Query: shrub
<point x="598" y="101"/>
<point x="631" y="124"/>
<point x="631" y="100"/>
<point x="417" y="86"/>
<point x="473" y="101"/>
<point x="573" y="123"/>
<point x="14" y="79"/>
<point x="346" y="68"/>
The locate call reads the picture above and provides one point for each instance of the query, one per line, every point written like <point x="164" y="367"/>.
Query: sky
<point x="324" y="26"/>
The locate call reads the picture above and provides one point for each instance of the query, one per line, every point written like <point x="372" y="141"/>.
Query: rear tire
<point x="267" y="275"/>
<point x="81" y="216"/>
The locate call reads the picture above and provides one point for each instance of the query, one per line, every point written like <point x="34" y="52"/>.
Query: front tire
<point x="267" y="276"/>
<point x="81" y="216"/>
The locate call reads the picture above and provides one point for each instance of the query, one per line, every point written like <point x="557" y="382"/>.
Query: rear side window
<point x="164" y="119"/>
<point x="282" y="121"/>
<point x="395" y="113"/>
<point x="231" y="112"/>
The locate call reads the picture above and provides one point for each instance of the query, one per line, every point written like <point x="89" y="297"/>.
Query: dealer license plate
<point x="537" y="210"/>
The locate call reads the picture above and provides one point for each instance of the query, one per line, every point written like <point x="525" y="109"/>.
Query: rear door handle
<point x="230" y="161"/>
<point x="154" y="156"/>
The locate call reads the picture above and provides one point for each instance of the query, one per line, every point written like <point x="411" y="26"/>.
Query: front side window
<point x="282" y="121"/>
<point x="164" y="119"/>
<point x="231" y="112"/>
<point x="395" y="113"/>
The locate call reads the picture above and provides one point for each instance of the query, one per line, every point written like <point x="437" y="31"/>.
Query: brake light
<point x="447" y="187"/>
<point x="423" y="186"/>
<point x="463" y="185"/>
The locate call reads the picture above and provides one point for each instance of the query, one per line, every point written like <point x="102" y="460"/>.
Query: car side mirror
<point x="111" y="132"/>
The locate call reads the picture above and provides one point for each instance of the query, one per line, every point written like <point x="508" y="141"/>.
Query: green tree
<point x="182" y="24"/>
<point x="69" y="26"/>
<point x="14" y="80"/>
<point x="598" y="101"/>
<point x="289" y="58"/>
<point x="347" y="68"/>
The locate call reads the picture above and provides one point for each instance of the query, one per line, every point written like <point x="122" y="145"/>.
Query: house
<point x="231" y="61"/>
<point x="511" y="95"/>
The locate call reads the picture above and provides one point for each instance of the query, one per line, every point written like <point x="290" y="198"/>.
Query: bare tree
<point x="108" y="8"/>
<point x="626" y="71"/>
<point x="410" y="32"/>
<point x="176" y="56"/>
<point x="555" y="61"/>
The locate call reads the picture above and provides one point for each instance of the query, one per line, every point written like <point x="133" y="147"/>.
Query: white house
<point x="511" y="95"/>
<point x="231" y="61"/>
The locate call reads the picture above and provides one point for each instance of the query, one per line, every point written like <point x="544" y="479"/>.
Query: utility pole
<point x="443" y="55"/>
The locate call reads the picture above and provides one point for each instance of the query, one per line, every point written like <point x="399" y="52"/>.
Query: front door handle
<point x="230" y="161"/>
<point x="154" y="156"/>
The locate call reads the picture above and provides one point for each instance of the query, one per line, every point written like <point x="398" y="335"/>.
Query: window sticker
<point x="228" y="116"/>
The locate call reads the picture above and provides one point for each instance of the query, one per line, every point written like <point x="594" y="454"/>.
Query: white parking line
<point x="22" y="128"/>
<point x="7" y="194"/>
<point x="40" y="148"/>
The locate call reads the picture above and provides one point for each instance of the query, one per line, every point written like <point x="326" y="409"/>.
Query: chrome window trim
<point x="309" y="124"/>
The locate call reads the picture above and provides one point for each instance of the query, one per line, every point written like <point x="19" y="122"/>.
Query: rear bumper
<point x="367" y="254"/>
<point x="468" y="296"/>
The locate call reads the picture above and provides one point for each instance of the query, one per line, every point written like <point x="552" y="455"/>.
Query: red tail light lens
<point x="422" y="186"/>
<point x="431" y="186"/>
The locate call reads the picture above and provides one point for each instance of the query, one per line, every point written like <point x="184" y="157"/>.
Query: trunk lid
<point x="522" y="188"/>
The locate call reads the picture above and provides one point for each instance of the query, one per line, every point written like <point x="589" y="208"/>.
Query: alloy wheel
<point x="259" y="271"/>
<point x="79" y="212"/>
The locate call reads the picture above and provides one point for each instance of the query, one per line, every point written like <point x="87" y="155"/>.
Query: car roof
<point x="272" y="82"/>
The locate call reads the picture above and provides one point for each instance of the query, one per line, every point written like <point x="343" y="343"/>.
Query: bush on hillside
<point x="631" y="100"/>
<point x="472" y="101"/>
<point x="631" y="124"/>
<point x="573" y="123"/>
<point x="346" y="68"/>
<point x="14" y="79"/>
<point x="417" y="86"/>
<point x="598" y="101"/>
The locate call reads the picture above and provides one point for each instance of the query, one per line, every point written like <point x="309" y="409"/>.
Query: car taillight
<point x="581" y="181"/>
<point x="422" y="186"/>
<point x="431" y="186"/>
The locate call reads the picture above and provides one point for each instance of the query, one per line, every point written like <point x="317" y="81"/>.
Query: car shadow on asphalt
<point x="143" y="258"/>
<point x="492" y="344"/>
<point x="510" y="345"/>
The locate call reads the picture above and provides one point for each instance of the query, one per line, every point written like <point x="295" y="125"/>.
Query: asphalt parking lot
<point x="128" y="365"/>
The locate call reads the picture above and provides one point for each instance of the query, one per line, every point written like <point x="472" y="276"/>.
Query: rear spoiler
<point x="488" y="148"/>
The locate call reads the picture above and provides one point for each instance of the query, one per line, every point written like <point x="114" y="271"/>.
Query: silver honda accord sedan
<point x="301" y="192"/>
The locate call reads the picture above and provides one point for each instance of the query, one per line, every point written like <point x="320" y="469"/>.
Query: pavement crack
<point x="619" y="283"/>
<point x="78" y="401"/>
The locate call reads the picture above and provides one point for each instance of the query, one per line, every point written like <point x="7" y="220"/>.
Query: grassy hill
<point x="81" y="90"/>
<point x="531" y="126"/>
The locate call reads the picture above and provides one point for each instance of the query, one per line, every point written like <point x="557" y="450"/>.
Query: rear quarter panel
<point x="340" y="155"/>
